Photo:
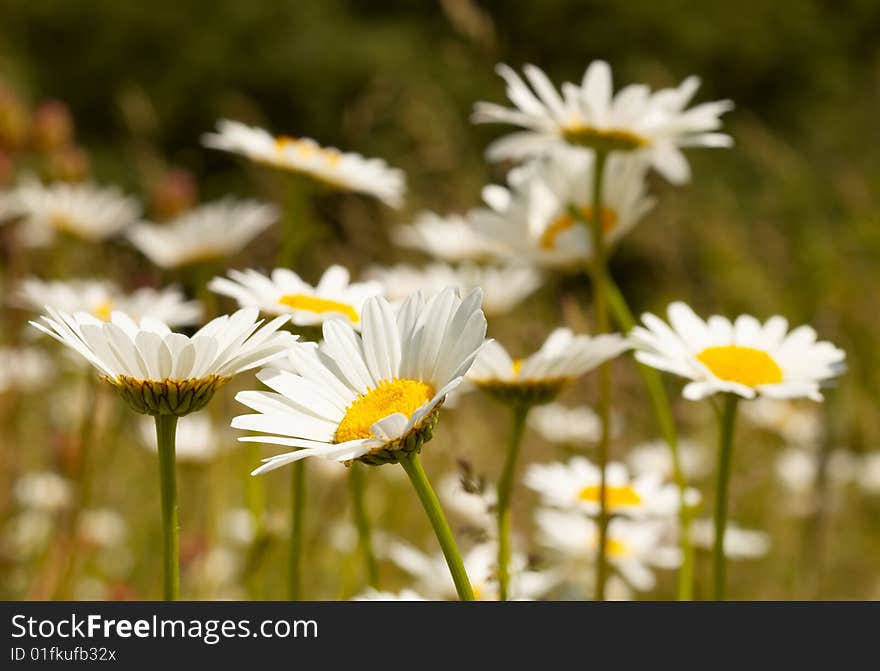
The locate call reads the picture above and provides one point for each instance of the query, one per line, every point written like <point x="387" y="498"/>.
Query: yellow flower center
<point x="318" y="305"/>
<point x="615" y="548"/>
<point x="306" y="149"/>
<point x="745" y="365"/>
<point x="403" y="396"/>
<point x="615" y="497"/>
<point x="517" y="366"/>
<point x="103" y="309"/>
<point x="603" y="139"/>
<point x="566" y="221"/>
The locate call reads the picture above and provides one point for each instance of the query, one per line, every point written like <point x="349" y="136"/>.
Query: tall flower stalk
<point x="505" y="494"/>
<point x="166" y="432"/>
<point x="727" y="423"/>
<point x="362" y="523"/>
<point x="600" y="301"/>
<point x="431" y="504"/>
<point x="666" y="422"/>
<point x="297" y="521"/>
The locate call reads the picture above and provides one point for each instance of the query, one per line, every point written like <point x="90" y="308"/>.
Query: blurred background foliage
<point x="787" y="222"/>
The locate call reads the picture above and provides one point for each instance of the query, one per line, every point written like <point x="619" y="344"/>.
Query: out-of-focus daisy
<point x="541" y="216"/>
<point x="743" y="357"/>
<point x="869" y="473"/>
<point x="101" y="297"/>
<point x="504" y="287"/>
<point x="539" y="378"/>
<point x="86" y="211"/>
<point x="474" y="507"/>
<point x="798" y="468"/>
<point x="102" y="528"/>
<point x="334" y="297"/>
<point x="797" y="423"/>
<point x="739" y="543"/>
<point x="450" y="238"/>
<point x="657" y="124"/>
<point x="633" y="547"/>
<point x="576" y="426"/>
<point x="373" y="397"/>
<point x="326" y="165"/>
<point x="24" y="369"/>
<point x="27" y="534"/>
<point x="42" y="490"/>
<point x="402" y="595"/>
<point x="655" y="457"/>
<point x="198" y="440"/>
<point x="576" y="485"/>
<point x="159" y="372"/>
<point x="10" y="208"/>
<point x="210" y="232"/>
<point x="432" y="576"/>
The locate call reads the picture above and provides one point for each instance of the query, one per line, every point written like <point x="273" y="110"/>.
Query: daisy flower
<point x="657" y="124"/>
<point x="576" y="485"/>
<point x="744" y="357"/>
<point x="476" y="508"/>
<point x="656" y="457"/>
<point x="210" y="232"/>
<point x="93" y="213"/>
<point x="373" y="397"/>
<point x="334" y="297"/>
<point x="633" y="547"/>
<point x="44" y="491"/>
<point x="450" y="238"/>
<point x="101" y="297"/>
<point x="539" y="378"/>
<point x="556" y="423"/>
<point x="739" y="543"/>
<point x="24" y="369"/>
<point x="795" y="422"/>
<point x="540" y="215"/>
<point x="504" y="287"/>
<point x="160" y="372"/>
<point x="432" y="577"/>
<point x="325" y="165"/>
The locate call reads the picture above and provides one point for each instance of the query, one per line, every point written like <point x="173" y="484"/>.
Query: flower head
<point x="544" y="214"/>
<point x="539" y="378"/>
<point x="449" y="238"/>
<point x="556" y="423"/>
<point x="164" y="373"/>
<point x="743" y="357"/>
<point x="373" y="397"/>
<point x="326" y="165"/>
<point x="590" y="115"/>
<point x="576" y="485"/>
<point x="207" y="233"/>
<point x="334" y="297"/>
<point x="24" y="369"/>
<point x="101" y="297"/>
<point x="633" y="547"/>
<point x="739" y="543"/>
<point x="504" y="287"/>
<point x="86" y="211"/>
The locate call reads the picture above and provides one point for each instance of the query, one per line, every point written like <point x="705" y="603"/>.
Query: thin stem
<point x="296" y="222"/>
<point x="362" y="522"/>
<point x="425" y="492"/>
<point x="665" y="421"/>
<point x="505" y="494"/>
<point x="166" y="432"/>
<point x="725" y="454"/>
<point x="297" y="513"/>
<point x="600" y="300"/>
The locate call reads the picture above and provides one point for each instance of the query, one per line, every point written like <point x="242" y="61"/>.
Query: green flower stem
<point x="663" y="413"/>
<point x="505" y="491"/>
<point x="362" y="522"/>
<point x="166" y="431"/>
<point x="600" y="300"/>
<point x="296" y="222"/>
<point x="725" y="454"/>
<point x="425" y="492"/>
<point x="297" y="515"/>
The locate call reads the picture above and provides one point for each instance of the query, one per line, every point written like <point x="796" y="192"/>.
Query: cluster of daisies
<point x="359" y="370"/>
